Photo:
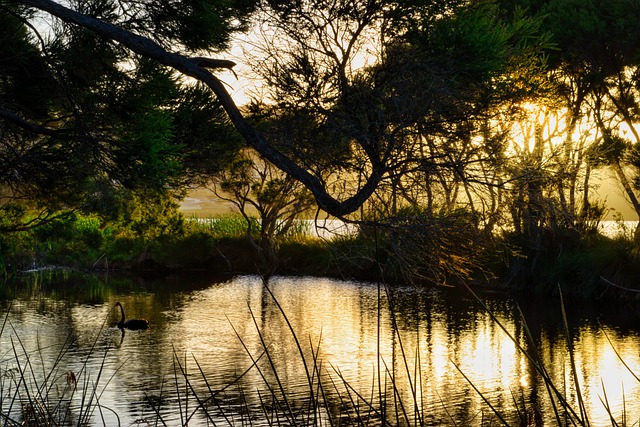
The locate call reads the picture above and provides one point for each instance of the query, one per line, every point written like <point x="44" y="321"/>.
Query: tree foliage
<point x="82" y="118"/>
<point x="486" y="116"/>
<point x="254" y="186"/>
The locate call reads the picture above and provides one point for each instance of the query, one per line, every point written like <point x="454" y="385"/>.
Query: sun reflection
<point x="599" y="370"/>
<point x="611" y="377"/>
<point x="339" y="328"/>
<point x="489" y="356"/>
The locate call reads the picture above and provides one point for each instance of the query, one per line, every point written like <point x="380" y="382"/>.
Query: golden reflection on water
<point x="340" y="322"/>
<point x="357" y="335"/>
<point x="601" y="374"/>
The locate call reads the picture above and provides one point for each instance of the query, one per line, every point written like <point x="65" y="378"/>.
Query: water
<point x="624" y="229"/>
<point x="416" y="342"/>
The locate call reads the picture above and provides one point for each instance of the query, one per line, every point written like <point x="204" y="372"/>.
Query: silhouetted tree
<point x="82" y="118"/>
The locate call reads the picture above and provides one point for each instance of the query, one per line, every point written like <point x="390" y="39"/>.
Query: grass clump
<point x="36" y="393"/>
<point x="226" y="226"/>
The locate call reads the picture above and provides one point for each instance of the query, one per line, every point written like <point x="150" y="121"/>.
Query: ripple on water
<point x="212" y="332"/>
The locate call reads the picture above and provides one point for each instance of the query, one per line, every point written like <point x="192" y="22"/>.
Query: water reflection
<point x="407" y="343"/>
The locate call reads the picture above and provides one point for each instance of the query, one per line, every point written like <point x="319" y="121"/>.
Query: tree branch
<point x="202" y="61"/>
<point x="25" y="124"/>
<point x="189" y="67"/>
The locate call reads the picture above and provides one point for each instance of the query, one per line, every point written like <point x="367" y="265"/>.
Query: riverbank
<point x="589" y="266"/>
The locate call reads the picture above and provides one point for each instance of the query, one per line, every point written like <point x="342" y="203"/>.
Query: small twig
<point x="205" y="62"/>
<point x="618" y="286"/>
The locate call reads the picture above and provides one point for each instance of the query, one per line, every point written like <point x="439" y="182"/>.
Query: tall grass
<point x="331" y="400"/>
<point x="235" y="226"/>
<point x="327" y="398"/>
<point x="566" y="411"/>
<point x="36" y="393"/>
<point x="226" y="226"/>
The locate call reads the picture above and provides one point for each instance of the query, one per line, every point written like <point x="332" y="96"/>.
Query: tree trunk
<point x="627" y="186"/>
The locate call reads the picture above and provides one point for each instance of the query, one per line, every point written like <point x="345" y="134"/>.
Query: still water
<point x="222" y="352"/>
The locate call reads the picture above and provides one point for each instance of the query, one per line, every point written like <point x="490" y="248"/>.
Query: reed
<point x="34" y="393"/>
<point x="327" y="398"/>
<point x="565" y="410"/>
<point x="225" y="226"/>
<point x="331" y="400"/>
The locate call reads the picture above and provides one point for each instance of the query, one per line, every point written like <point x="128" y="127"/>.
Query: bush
<point x="192" y="251"/>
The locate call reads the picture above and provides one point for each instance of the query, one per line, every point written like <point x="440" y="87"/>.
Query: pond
<point x="305" y="350"/>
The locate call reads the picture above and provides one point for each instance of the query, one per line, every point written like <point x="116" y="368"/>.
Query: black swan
<point x="133" y="324"/>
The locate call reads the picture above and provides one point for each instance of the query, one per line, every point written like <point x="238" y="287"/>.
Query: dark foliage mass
<point x="485" y="121"/>
<point x="83" y="119"/>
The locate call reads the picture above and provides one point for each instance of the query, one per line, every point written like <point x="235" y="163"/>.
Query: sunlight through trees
<point x="499" y="112"/>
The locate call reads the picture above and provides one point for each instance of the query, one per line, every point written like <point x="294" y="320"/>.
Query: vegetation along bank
<point x="462" y="141"/>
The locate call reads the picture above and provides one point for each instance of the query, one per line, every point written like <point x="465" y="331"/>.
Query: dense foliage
<point x="85" y="122"/>
<point x="458" y="128"/>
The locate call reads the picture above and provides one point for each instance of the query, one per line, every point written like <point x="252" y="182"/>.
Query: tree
<point x="595" y="67"/>
<point x="134" y="36"/>
<point x="77" y="126"/>
<point x="254" y="185"/>
<point x="598" y="53"/>
<point x="365" y="133"/>
<point x="422" y="112"/>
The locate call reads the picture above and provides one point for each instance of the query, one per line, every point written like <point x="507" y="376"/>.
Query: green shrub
<point x="193" y="250"/>
<point x="305" y="256"/>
